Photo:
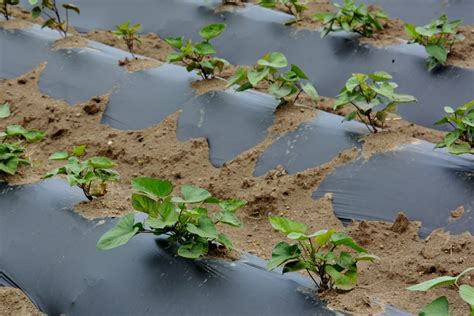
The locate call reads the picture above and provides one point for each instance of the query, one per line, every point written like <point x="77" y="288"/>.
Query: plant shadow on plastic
<point x="90" y="175"/>
<point x="316" y="254"/>
<point x="185" y="218"/>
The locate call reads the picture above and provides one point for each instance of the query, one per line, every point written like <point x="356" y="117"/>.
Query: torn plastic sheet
<point x="70" y="276"/>
<point x="253" y="31"/>
<point x="311" y="144"/>
<point x="425" y="184"/>
<point x="231" y="122"/>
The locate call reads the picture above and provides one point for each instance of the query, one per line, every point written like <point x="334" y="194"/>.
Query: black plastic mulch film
<point x="412" y="169"/>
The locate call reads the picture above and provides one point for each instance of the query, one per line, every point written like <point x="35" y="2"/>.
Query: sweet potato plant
<point x="198" y="56"/>
<point x="461" y="139"/>
<point x="5" y="7"/>
<point x="284" y="86"/>
<point x="372" y="96"/>
<point x="51" y="12"/>
<point x="184" y="218"/>
<point x="438" y="38"/>
<point x="440" y="306"/>
<point x="352" y="18"/>
<point x="90" y="175"/>
<point x="21" y="133"/>
<point x="317" y="254"/>
<point x="294" y="7"/>
<point x="12" y="155"/>
<point x="129" y="34"/>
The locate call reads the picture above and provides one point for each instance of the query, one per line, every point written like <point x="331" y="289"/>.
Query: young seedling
<point x="91" y="175"/>
<point x="129" y="34"/>
<point x="352" y="18"/>
<point x="281" y="85"/>
<point x="5" y="7"/>
<point x="294" y="7"/>
<point x="18" y="131"/>
<point x="365" y="92"/>
<point x="49" y="9"/>
<point x="440" y="306"/>
<point x="184" y="219"/>
<point x="438" y="38"/>
<point x="316" y="253"/>
<point x="198" y="56"/>
<point x="461" y="139"/>
<point x="11" y="157"/>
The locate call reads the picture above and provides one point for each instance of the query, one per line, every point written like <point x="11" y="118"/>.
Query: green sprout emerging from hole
<point x="5" y="6"/>
<point x="281" y="85"/>
<point x="294" y="7"/>
<point x="128" y="33"/>
<point x="440" y="306"/>
<point x="438" y="38"/>
<point x="352" y="18"/>
<point x="49" y="9"/>
<point x="461" y="139"/>
<point x="91" y="175"/>
<point x="185" y="219"/>
<point x="366" y="92"/>
<point x="198" y="56"/>
<point x="317" y="254"/>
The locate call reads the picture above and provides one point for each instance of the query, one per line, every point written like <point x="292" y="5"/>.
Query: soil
<point x="405" y="259"/>
<point x="14" y="302"/>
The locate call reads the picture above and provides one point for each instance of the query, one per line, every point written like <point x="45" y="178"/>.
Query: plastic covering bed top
<point x="49" y="252"/>
<point x="253" y="31"/>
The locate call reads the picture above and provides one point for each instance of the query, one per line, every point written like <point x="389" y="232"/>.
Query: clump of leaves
<point x="198" y="56"/>
<point x="11" y="157"/>
<point x="461" y="139"/>
<point x="4" y="7"/>
<point x="52" y="14"/>
<point x="352" y="18"/>
<point x="281" y="85"/>
<point x="294" y="7"/>
<point x="438" y="38"/>
<point x="316" y="253"/>
<point x="185" y="218"/>
<point x="129" y="34"/>
<point x="373" y="96"/>
<point x="18" y="131"/>
<point x="91" y="175"/>
<point x="440" y="306"/>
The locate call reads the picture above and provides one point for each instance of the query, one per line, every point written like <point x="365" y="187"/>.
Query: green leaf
<point x="33" y="136"/>
<point x="225" y="241"/>
<point x="212" y="30"/>
<point x="439" y="307"/>
<point x="310" y="90"/>
<point x="205" y="49"/>
<point x="239" y="75"/>
<point x="145" y="204"/>
<point x="440" y="281"/>
<point x="205" y="228"/>
<point x="79" y="151"/>
<point x="176" y="42"/>
<point x="467" y="294"/>
<point x="70" y="6"/>
<point x="380" y="76"/>
<point x="279" y="91"/>
<point x="15" y="130"/>
<point x="338" y="239"/>
<point x="152" y="188"/>
<point x="323" y="236"/>
<point x="192" y="194"/>
<point x="350" y="116"/>
<point x="403" y="98"/>
<point x="232" y="205"/>
<point x="294" y="266"/>
<point x="36" y="12"/>
<point x="342" y="281"/>
<point x="274" y="60"/>
<point x="287" y="226"/>
<point x="4" y="110"/>
<point x="228" y="218"/>
<point x="352" y="83"/>
<point x="120" y="234"/>
<point x="282" y="253"/>
<point x="174" y="57"/>
<point x="60" y="155"/>
<point x="299" y="73"/>
<point x="459" y="149"/>
<point x="168" y="216"/>
<point x="448" y="109"/>
<point x="367" y="257"/>
<point x="101" y="163"/>
<point x="192" y="250"/>
<point x="255" y="76"/>
<point x="438" y="52"/>
<point x="10" y="165"/>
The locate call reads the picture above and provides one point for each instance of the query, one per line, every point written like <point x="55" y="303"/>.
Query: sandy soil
<point x="14" y="302"/>
<point x="405" y="258"/>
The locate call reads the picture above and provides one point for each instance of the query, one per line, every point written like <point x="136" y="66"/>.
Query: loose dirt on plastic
<point x="14" y="302"/>
<point x="156" y="152"/>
